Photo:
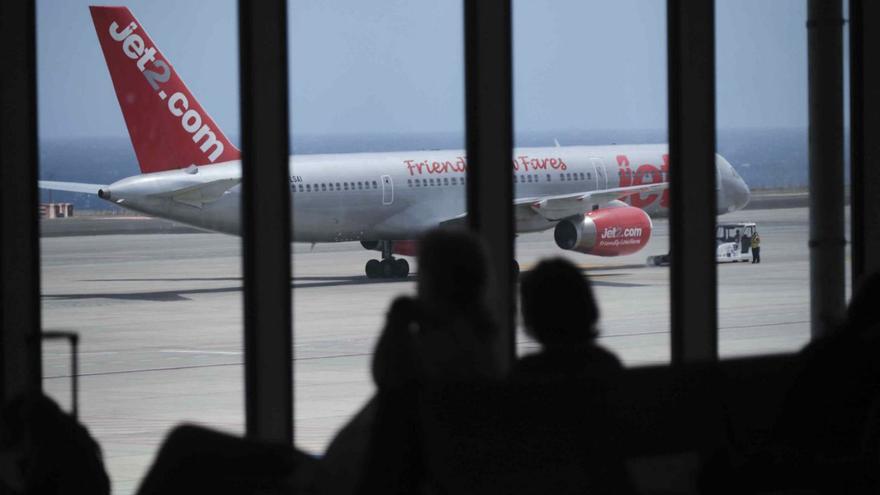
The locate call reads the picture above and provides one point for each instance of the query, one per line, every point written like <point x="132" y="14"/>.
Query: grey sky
<point x="396" y="65"/>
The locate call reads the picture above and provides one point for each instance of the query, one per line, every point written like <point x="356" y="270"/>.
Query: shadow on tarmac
<point x="172" y="295"/>
<point x="299" y="283"/>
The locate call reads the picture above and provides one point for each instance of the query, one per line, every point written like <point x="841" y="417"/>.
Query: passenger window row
<point x="571" y="176"/>
<point x="517" y="178"/>
<point x="445" y="181"/>
<point x="529" y="178"/>
<point x="336" y="186"/>
<point x="431" y="182"/>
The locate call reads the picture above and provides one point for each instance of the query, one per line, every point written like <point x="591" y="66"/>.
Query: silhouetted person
<point x="863" y="313"/>
<point x="826" y="436"/>
<point x="195" y="459"/>
<point x="444" y="334"/>
<point x="571" y="378"/>
<point x="559" y="312"/>
<point x="447" y="327"/>
<point x="46" y="451"/>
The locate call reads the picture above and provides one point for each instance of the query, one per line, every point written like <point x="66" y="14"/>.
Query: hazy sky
<point x="392" y="66"/>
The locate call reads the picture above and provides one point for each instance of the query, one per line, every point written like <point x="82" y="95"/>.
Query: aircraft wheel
<point x="386" y="268"/>
<point x="373" y="269"/>
<point x="401" y="268"/>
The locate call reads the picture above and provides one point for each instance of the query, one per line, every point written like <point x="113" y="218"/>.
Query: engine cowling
<point x="605" y="232"/>
<point x="405" y="248"/>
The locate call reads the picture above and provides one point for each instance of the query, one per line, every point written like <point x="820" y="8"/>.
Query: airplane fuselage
<point x="398" y="195"/>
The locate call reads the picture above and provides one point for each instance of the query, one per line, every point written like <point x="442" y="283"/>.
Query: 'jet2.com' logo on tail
<point x="134" y="47"/>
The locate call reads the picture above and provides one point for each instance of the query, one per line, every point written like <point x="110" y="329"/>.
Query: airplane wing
<point x="71" y="186"/>
<point x="558" y="207"/>
<point x="555" y="208"/>
<point x="199" y="194"/>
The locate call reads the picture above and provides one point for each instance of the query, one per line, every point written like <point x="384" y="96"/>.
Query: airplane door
<point x="387" y="190"/>
<point x="601" y="175"/>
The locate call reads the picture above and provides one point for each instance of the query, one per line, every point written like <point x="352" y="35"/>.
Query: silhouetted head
<point x="452" y="270"/>
<point x="863" y="311"/>
<point x="557" y="304"/>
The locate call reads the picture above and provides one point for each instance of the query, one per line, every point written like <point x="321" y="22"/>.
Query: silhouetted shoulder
<point x="579" y="363"/>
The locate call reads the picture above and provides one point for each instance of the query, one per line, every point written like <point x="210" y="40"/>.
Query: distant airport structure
<point x="55" y="210"/>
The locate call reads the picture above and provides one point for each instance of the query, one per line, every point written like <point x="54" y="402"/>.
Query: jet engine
<point x="611" y="231"/>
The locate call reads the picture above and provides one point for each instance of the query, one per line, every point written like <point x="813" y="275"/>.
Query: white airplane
<point x="597" y="198"/>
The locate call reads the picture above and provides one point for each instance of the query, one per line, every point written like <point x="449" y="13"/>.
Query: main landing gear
<point x="389" y="267"/>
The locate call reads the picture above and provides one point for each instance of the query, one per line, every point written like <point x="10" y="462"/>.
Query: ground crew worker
<point x="756" y="248"/>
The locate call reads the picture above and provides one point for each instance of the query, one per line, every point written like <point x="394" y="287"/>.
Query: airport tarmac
<point x="160" y="321"/>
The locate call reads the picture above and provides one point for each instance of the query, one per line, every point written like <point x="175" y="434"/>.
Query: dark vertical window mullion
<point x="865" y="135"/>
<point x="20" y="354"/>
<point x="266" y="225"/>
<point x="827" y="241"/>
<point x="692" y="177"/>
<point x="489" y="114"/>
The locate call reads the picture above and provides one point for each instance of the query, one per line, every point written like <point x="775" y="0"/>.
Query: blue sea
<point x="766" y="158"/>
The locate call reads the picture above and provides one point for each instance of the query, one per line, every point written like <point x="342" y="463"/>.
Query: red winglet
<point x="168" y="127"/>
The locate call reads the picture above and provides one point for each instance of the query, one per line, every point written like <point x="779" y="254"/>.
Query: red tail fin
<point x="167" y="126"/>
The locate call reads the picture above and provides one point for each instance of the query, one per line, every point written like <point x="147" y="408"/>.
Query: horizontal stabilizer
<point x="78" y="187"/>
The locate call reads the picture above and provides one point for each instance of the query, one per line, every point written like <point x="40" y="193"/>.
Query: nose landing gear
<point x="389" y="267"/>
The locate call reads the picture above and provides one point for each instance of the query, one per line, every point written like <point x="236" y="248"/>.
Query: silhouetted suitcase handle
<point x="73" y="339"/>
